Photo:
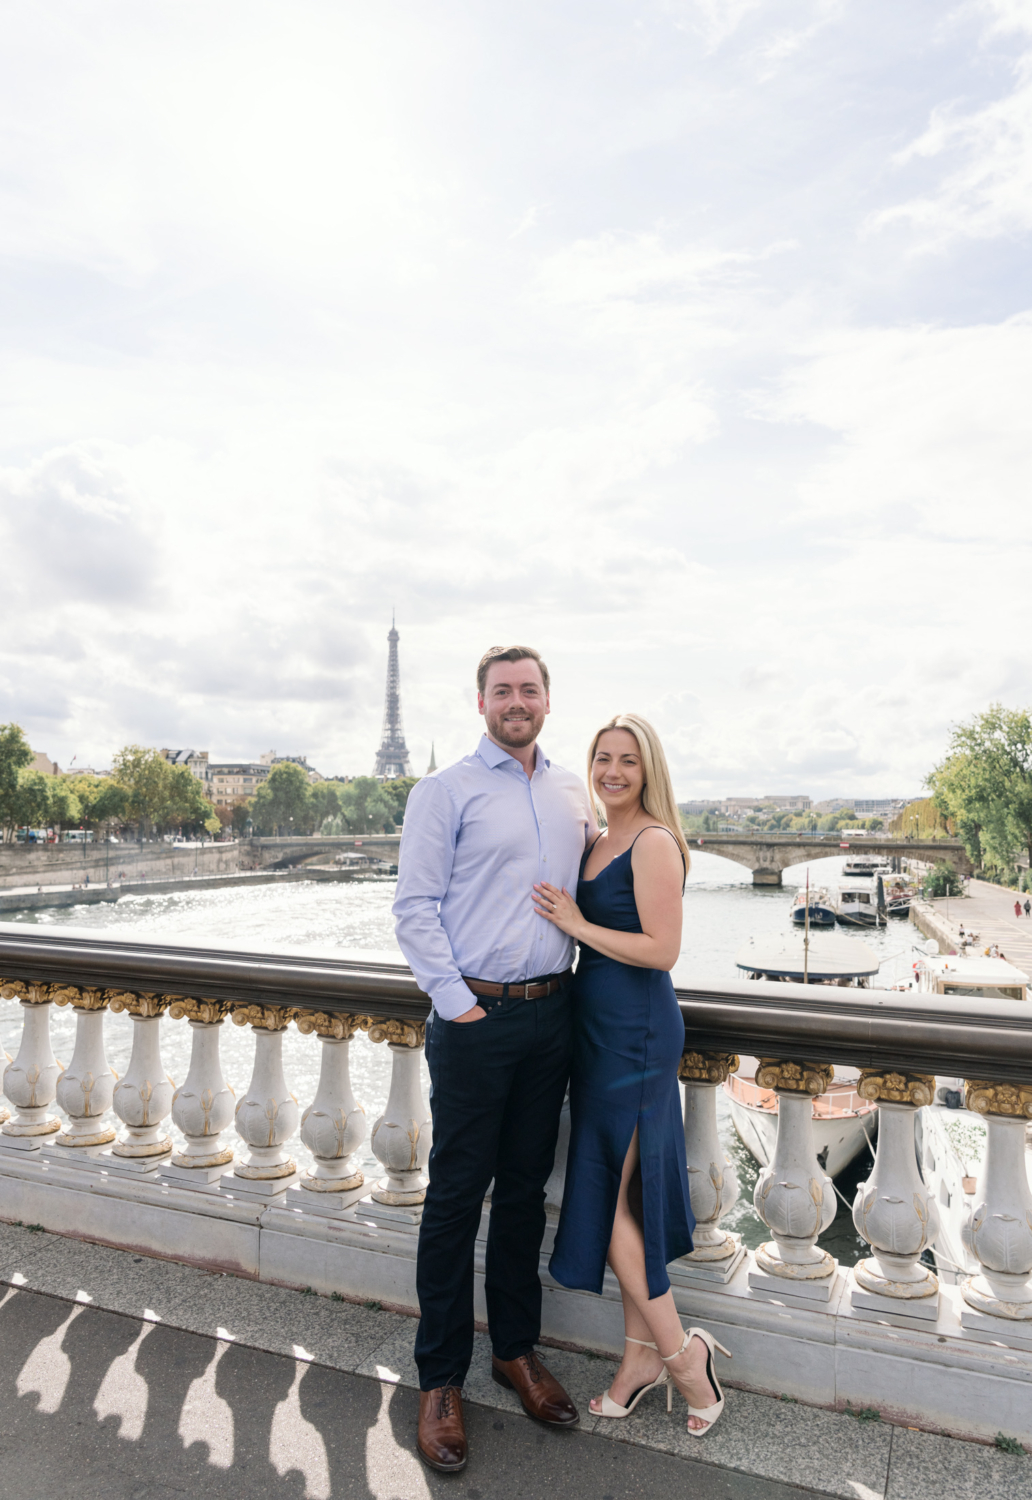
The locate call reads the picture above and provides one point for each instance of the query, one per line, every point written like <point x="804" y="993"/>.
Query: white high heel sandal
<point x="610" y="1407"/>
<point x="707" y="1414"/>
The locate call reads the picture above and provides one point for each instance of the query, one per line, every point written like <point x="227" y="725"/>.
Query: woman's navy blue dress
<point x="629" y="1041"/>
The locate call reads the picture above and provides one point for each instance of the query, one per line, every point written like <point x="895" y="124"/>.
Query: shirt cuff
<point x="452" y="998"/>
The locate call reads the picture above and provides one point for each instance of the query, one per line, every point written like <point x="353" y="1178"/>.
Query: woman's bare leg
<point x="655" y="1318"/>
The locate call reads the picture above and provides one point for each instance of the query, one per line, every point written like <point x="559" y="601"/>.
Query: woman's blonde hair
<point x="657" y="795"/>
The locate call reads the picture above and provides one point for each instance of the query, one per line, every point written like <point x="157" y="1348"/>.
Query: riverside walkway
<point x="988" y="910"/>
<point x="130" y="1378"/>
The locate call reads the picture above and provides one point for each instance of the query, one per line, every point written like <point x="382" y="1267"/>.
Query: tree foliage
<point x="159" y="795"/>
<point x="366" y="806"/>
<point x="984" y="784"/>
<point x="283" y="804"/>
<point x="15" y="755"/>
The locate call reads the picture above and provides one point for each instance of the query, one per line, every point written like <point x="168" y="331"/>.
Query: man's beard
<point x="515" y="732"/>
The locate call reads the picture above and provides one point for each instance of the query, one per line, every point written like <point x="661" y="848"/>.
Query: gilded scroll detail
<point x="800" y="1077"/>
<point x="999" y="1098"/>
<point x="896" y="1088"/>
<point x="707" y="1067"/>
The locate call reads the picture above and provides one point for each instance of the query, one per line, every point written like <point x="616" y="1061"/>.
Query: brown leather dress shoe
<point x="543" y="1397"/>
<point x="442" y="1432"/>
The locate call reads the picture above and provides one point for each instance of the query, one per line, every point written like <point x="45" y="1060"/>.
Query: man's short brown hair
<point x="508" y="653"/>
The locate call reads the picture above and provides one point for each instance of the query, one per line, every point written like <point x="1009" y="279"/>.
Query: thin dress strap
<point x="684" y="864"/>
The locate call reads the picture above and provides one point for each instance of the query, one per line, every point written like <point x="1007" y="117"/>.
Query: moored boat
<point x="855" y="904"/>
<point x="843" y="1122"/>
<point x="865" y="866"/>
<point x="822" y="913"/>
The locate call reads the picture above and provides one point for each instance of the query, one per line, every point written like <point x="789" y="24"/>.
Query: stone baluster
<point x="402" y="1135"/>
<point x="893" y="1210"/>
<point x="334" y="1124"/>
<point x="202" y="1107"/>
<point x="30" y="1081"/>
<point x="1001" y="1223"/>
<point x="712" y="1179"/>
<point x="267" y="1115"/>
<point x="86" y="1087"/>
<point x="794" y="1197"/>
<point x="143" y="1098"/>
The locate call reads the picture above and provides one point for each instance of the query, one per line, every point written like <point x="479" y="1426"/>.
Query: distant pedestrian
<point x="1028" y="907"/>
<point x="1017" y="908"/>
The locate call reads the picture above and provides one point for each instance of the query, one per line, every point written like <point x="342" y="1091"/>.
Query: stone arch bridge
<point x="767" y="855"/>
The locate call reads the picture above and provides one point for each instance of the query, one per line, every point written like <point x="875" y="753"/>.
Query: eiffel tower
<point x="392" y="758"/>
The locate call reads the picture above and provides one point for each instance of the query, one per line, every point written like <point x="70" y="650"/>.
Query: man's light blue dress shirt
<point x="476" y="837"/>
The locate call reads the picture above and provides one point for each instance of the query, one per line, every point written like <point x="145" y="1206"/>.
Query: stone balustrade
<point x="84" y="1152"/>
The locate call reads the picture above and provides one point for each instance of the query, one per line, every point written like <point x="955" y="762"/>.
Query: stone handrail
<point x="862" y="1028"/>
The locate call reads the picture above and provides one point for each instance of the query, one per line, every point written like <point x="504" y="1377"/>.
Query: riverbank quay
<point x="30" y="898"/>
<point x="89" y="1156"/>
<point x="28" y="866"/>
<point x="137" y="1377"/>
<point x="984" y="908"/>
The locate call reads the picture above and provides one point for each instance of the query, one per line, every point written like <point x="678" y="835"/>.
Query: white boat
<point x="822" y="913"/>
<point x="865" y="866"/>
<point x="855" y="903"/>
<point x="843" y="1123"/>
<point x="951" y="1139"/>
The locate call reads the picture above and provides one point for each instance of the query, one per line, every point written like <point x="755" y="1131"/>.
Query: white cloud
<point x="287" y="347"/>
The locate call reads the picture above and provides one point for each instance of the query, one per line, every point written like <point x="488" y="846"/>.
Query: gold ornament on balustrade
<point x="210" y="1012"/>
<point x="80" y="999"/>
<point x="707" y="1067"/>
<point x="1013" y="1099"/>
<point x="336" y="1024"/>
<point x="147" y="1006"/>
<point x="265" y="1017"/>
<point x="798" y="1077"/>
<point x="400" y="1033"/>
<point x="896" y="1088"/>
<point x="28" y="990"/>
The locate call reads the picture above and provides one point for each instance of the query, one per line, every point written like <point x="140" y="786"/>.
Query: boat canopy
<point x="830" y="959"/>
<point x="977" y="976"/>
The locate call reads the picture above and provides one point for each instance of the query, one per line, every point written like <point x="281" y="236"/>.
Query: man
<point x="477" y="835"/>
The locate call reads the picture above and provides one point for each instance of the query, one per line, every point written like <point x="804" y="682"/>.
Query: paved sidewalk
<point x="989" y="910"/>
<point x="140" y="1379"/>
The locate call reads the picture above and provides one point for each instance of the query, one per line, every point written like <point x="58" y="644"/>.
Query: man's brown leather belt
<point x="521" y="990"/>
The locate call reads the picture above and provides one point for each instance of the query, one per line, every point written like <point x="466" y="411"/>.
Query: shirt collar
<point x="493" y="755"/>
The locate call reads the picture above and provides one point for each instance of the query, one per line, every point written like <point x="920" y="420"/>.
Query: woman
<point x="626" y="1198"/>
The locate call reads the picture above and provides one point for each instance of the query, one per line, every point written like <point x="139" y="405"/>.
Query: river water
<point x="722" y="912"/>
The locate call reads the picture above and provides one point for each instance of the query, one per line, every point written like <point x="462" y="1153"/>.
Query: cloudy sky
<point x="689" y="341"/>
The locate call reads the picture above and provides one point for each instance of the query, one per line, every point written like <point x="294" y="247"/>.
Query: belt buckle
<point x="526" y="990"/>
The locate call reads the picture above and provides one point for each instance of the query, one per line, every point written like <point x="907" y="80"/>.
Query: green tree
<point x="365" y="807"/>
<point x="187" y="807"/>
<point x="241" y="814"/>
<point x="64" y="808"/>
<point x="32" y="800"/>
<point x="101" y="799"/>
<point x="283" y="803"/>
<point x="984" y="785"/>
<point x="145" y="777"/>
<point x="397" y="794"/>
<point x="15" y="755"/>
<point x="943" y="880"/>
<point x="160" y="796"/>
<point x="324" y="799"/>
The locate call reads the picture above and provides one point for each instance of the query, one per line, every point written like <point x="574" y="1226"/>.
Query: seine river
<point x="722" y="912"/>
